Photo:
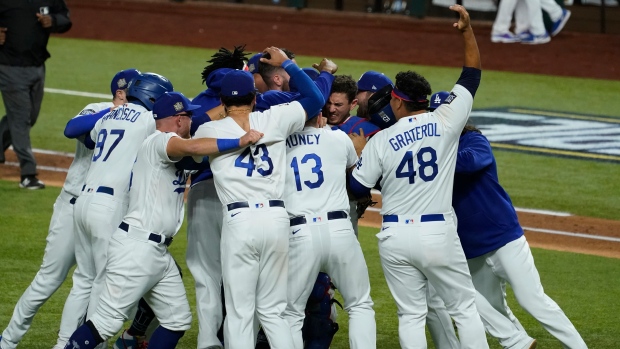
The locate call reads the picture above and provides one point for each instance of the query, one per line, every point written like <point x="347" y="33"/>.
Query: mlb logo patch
<point x="408" y="221"/>
<point x="261" y="205"/>
<point x="316" y="219"/>
<point x="234" y="93"/>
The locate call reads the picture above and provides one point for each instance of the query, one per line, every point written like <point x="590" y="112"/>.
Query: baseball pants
<point x="439" y="321"/>
<point x="329" y="246"/>
<point x="136" y="268"/>
<point x="58" y="259"/>
<point x="522" y="19"/>
<point x="514" y="263"/>
<point x="414" y="253"/>
<point x="506" y="9"/>
<point x="22" y="94"/>
<point x="204" y="229"/>
<point x="97" y="216"/>
<point x="254" y="250"/>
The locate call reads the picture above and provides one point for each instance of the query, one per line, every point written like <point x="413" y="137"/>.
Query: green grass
<point x="584" y="286"/>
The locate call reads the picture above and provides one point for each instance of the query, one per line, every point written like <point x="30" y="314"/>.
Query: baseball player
<point x="253" y="63"/>
<point x="59" y="254"/>
<point x="415" y="160"/>
<point x="250" y="185"/>
<point x="496" y="249"/>
<point x="369" y="83"/>
<point x="139" y="263"/>
<point x="116" y="137"/>
<point x="321" y="235"/>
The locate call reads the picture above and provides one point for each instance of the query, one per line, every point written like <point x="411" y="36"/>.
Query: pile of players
<point x="273" y="209"/>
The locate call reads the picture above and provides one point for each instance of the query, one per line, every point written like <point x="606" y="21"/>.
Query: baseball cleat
<point x="531" y="39"/>
<point x="560" y="23"/>
<point x="506" y="38"/>
<point x="31" y="182"/>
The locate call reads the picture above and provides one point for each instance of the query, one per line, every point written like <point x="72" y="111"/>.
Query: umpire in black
<point x="25" y="27"/>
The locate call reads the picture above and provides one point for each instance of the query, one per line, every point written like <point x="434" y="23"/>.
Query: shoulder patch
<point x="450" y="98"/>
<point x="87" y="112"/>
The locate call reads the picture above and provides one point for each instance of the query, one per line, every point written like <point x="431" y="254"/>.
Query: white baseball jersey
<point x="118" y="135"/>
<point x="254" y="172"/>
<point x="81" y="162"/>
<point x="317" y="158"/>
<point x="415" y="158"/>
<point x="156" y="195"/>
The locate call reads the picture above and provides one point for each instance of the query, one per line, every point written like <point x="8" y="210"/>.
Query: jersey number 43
<point x="406" y="167"/>
<point x="250" y="165"/>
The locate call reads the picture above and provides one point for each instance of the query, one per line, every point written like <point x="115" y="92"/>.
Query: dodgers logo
<point x="180" y="181"/>
<point x="359" y="163"/>
<point x="437" y="99"/>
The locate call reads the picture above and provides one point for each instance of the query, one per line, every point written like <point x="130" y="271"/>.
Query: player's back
<point x="255" y="172"/>
<point x="417" y="156"/>
<point x="156" y="196"/>
<point x="118" y="136"/>
<point x="76" y="175"/>
<point x="316" y="164"/>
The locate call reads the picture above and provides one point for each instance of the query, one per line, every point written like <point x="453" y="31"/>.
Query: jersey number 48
<point x="406" y="167"/>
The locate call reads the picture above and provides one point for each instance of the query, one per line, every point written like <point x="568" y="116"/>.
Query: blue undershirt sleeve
<point x="470" y="79"/>
<point x="312" y="101"/>
<point x="357" y="188"/>
<point x="83" y="124"/>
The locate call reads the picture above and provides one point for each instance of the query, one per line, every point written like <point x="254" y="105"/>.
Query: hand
<point x="45" y="20"/>
<point x="322" y="120"/>
<point x="464" y="22"/>
<point x="2" y="35"/>
<point x="273" y="56"/>
<point x="326" y="65"/>
<point x="249" y="138"/>
<point x="359" y="141"/>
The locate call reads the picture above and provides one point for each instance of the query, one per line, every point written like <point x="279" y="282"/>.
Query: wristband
<point x="226" y="144"/>
<point x="287" y="64"/>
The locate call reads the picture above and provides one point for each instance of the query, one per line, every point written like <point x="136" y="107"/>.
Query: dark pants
<point x="22" y="93"/>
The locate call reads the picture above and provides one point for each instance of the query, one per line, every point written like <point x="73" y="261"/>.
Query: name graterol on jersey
<point x="301" y="139"/>
<point x="126" y="114"/>
<point x="401" y="140"/>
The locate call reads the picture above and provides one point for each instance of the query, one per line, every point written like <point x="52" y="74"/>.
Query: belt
<point x="72" y="201"/>
<point x="245" y="204"/>
<point x="330" y="215"/>
<point x="392" y="218"/>
<point x="101" y="189"/>
<point x="157" y="238"/>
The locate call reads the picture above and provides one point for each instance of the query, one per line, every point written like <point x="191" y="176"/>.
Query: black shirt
<point x="26" y="39"/>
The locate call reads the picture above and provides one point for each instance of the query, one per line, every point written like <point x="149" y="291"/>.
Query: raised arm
<point x="179" y="147"/>
<point x="472" y="54"/>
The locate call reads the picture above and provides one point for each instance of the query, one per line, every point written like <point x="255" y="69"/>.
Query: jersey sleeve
<point x="291" y="117"/>
<point x="455" y="110"/>
<point x="159" y="143"/>
<point x="95" y="131"/>
<point x="368" y="169"/>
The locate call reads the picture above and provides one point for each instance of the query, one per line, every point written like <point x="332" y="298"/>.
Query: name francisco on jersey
<point x="302" y="139"/>
<point x="401" y="140"/>
<point x="125" y="114"/>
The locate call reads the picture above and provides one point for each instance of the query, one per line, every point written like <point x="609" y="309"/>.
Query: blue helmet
<point x="122" y="79"/>
<point x="147" y="87"/>
<point x="437" y="99"/>
<point x="379" y="108"/>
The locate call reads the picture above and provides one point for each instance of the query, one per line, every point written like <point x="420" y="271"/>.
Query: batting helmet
<point x="437" y="99"/>
<point x="147" y="87"/>
<point x="122" y="79"/>
<point x="379" y="108"/>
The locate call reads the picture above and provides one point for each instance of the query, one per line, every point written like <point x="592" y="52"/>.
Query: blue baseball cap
<point x="172" y="103"/>
<point x="311" y="72"/>
<point x="122" y="78"/>
<point x="214" y="80"/>
<point x="253" y="63"/>
<point x="437" y="99"/>
<point x="237" y="83"/>
<point x="372" y="81"/>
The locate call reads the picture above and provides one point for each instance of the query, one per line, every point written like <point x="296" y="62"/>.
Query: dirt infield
<point x="355" y="36"/>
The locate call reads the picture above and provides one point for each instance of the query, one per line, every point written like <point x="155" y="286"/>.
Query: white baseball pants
<point x="97" y="216"/>
<point x="254" y="250"/>
<point x="506" y="9"/>
<point x="204" y="229"/>
<point x="58" y="259"/>
<point x="522" y="16"/>
<point x="330" y="246"/>
<point x="414" y="253"/>
<point x="513" y="263"/>
<point x="439" y="322"/>
<point x="136" y="268"/>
